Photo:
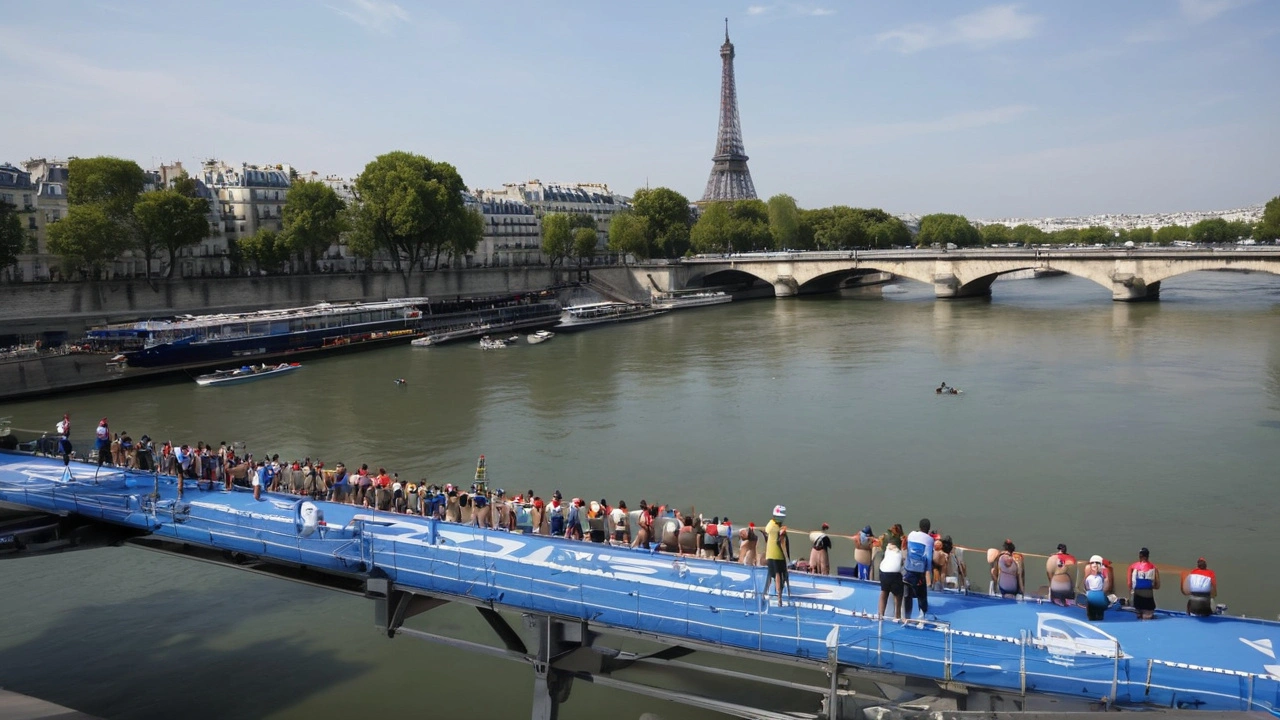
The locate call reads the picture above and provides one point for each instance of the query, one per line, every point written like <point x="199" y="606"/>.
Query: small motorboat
<point x="488" y="343"/>
<point x="513" y="339"/>
<point x="539" y="336"/>
<point x="246" y="374"/>
<point x="948" y="390"/>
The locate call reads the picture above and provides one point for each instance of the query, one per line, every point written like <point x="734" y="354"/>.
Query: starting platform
<point x="974" y="652"/>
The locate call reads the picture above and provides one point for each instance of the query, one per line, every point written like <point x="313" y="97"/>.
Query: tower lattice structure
<point x="730" y="179"/>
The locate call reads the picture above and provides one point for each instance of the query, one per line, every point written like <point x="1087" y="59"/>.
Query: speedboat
<point x="488" y="343"/>
<point x="539" y="336"/>
<point x="246" y="374"/>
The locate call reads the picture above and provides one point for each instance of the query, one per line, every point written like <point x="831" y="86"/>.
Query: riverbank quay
<point x="1176" y="661"/>
<point x="21" y="707"/>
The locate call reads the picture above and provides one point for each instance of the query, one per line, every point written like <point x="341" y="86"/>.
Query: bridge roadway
<point x="568" y="593"/>
<point x="1131" y="274"/>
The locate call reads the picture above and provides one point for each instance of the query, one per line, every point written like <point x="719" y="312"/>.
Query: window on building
<point x="31" y="222"/>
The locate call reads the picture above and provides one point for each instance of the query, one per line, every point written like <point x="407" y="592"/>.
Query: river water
<point x="1106" y="426"/>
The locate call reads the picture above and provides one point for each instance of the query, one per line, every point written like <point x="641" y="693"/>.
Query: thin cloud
<point x="758" y="9"/>
<point x="792" y="9"/>
<point x="819" y="11"/>
<point x="1190" y="14"/>
<point x="1201" y="11"/>
<point x="988" y="26"/>
<point x="377" y="15"/>
<point x="880" y="133"/>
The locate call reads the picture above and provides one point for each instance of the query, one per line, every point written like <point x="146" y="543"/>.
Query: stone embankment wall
<point x="31" y="308"/>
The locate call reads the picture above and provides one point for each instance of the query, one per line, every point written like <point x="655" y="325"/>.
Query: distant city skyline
<point x="990" y="110"/>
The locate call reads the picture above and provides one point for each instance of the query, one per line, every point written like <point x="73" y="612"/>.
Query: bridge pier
<point x="947" y="286"/>
<point x="1130" y="288"/>
<point x="786" y="286"/>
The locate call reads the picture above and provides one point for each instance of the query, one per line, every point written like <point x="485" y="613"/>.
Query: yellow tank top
<point x="773" y="549"/>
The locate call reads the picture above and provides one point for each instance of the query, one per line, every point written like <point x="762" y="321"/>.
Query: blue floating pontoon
<point x="1214" y="663"/>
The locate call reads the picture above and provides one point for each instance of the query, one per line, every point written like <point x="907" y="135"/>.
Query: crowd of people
<point x="907" y="565"/>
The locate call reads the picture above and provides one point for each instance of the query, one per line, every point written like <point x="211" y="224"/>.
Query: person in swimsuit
<point x="1144" y="580"/>
<point x="864" y="546"/>
<point x="747" y="539"/>
<point x="948" y="564"/>
<point x="1007" y="572"/>
<point x="891" y="578"/>
<point x="1060" y="568"/>
<point x="820" y="555"/>
<point x="1200" y="586"/>
<point x="1095" y="588"/>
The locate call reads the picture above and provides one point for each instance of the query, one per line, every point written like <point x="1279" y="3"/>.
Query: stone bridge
<point x="1130" y="274"/>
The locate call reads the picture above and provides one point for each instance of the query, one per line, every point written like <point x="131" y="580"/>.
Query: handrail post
<point x="946" y="653"/>
<point x="879" y="639"/>
<point x="1115" y="675"/>
<point x="1250" y="706"/>
<point x="1147" y="689"/>
<point x="1022" y="664"/>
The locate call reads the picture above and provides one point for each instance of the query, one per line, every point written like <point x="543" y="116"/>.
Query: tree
<point x="467" y="238"/>
<point x="738" y="226"/>
<point x="410" y="207"/>
<point x="943" y="228"/>
<point x="628" y="234"/>
<point x="113" y="183"/>
<point x="784" y="222"/>
<point x="13" y="238"/>
<point x="669" y="221"/>
<point x="265" y="249"/>
<point x="1027" y="234"/>
<point x="1211" y="231"/>
<point x="888" y="233"/>
<point x="1141" y="236"/>
<point x="1097" y="235"/>
<point x="1269" y="227"/>
<point x="996" y="234"/>
<point x="88" y="237"/>
<point x="557" y="238"/>
<point x="169" y="220"/>
<point x="1170" y="234"/>
<point x="584" y="243"/>
<point x="314" y="219"/>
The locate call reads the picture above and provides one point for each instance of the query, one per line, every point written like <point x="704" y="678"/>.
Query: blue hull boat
<point x="1214" y="663"/>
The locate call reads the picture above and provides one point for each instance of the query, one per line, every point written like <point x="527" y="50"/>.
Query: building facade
<point x="594" y="199"/>
<point x="249" y="197"/>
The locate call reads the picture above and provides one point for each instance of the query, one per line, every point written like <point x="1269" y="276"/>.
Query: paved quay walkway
<point x="22" y="707"/>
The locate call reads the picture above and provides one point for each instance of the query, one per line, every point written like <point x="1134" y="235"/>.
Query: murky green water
<point x="1102" y="425"/>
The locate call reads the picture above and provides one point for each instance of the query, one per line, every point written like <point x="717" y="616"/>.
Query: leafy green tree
<point x="1239" y="229"/>
<point x="842" y="229"/>
<point x="110" y="182"/>
<point x="1027" y="234"/>
<point x="1211" y="230"/>
<point x="1097" y="235"/>
<point x="467" y="239"/>
<point x="314" y="219"/>
<point x="784" y="222"/>
<point x="581" y="220"/>
<point x="888" y="233"/>
<point x="169" y="220"/>
<point x="996" y="234"/>
<point x="410" y="207"/>
<point x="738" y="226"/>
<point x="1269" y="227"/>
<point x="1170" y="234"/>
<point x="943" y="228"/>
<point x="1142" y="235"/>
<point x="669" y="221"/>
<point x="13" y="238"/>
<point x="265" y="249"/>
<point x="584" y="243"/>
<point x="557" y="237"/>
<point x="628" y="234"/>
<point x="88" y="238"/>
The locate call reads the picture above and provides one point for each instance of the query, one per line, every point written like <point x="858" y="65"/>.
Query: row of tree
<point x="407" y="207"/>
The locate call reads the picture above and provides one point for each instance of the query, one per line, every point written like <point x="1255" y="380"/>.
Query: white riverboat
<point x="539" y="336"/>
<point x="581" y="317"/>
<point x="246" y="374"/>
<point x="681" y="301"/>
<point x="489" y="343"/>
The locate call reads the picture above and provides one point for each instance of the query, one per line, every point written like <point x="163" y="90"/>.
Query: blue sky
<point x="990" y="110"/>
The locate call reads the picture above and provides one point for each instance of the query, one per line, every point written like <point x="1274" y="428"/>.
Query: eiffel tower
<point x="730" y="179"/>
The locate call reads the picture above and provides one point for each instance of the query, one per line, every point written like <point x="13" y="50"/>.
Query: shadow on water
<point x="162" y="655"/>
